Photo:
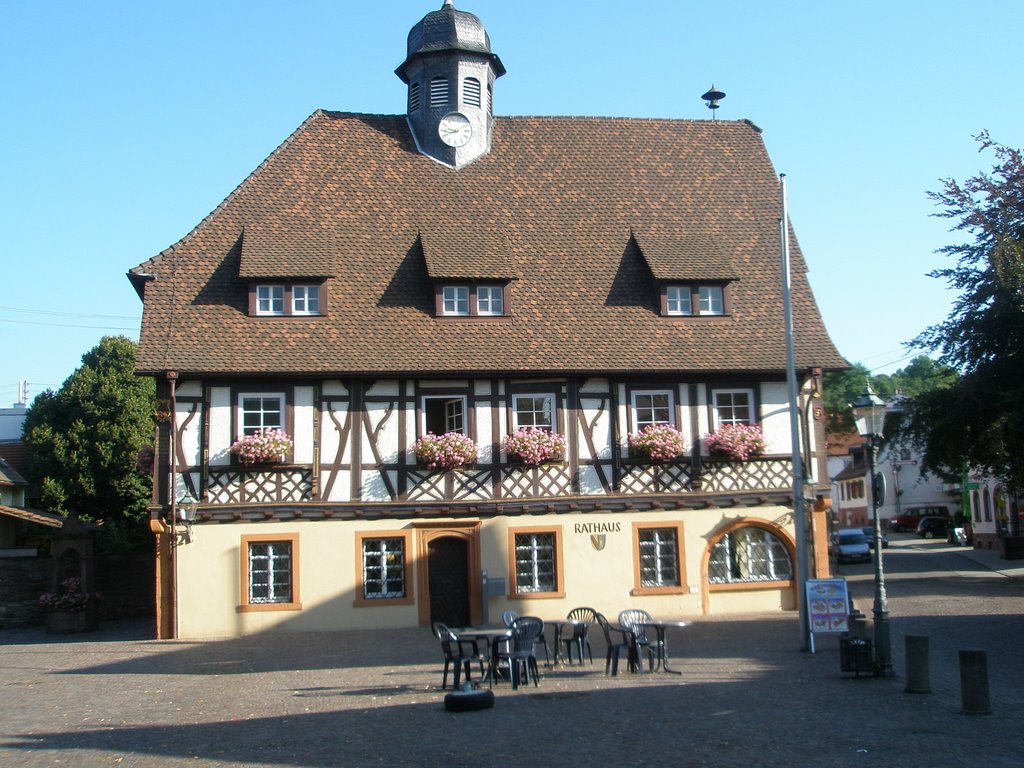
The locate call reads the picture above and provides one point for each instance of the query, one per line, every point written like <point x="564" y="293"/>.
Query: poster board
<point x="828" y="607"/>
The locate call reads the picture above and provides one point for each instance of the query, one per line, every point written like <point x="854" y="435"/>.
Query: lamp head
<point x="869" y="413"/>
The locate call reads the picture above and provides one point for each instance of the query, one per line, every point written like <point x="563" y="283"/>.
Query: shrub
<point x="69" y="596"/>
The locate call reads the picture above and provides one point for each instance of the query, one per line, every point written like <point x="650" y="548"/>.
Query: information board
<point x="828" y="607"/>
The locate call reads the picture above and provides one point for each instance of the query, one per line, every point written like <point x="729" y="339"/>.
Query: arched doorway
<point x="448" y="568"/>
<point x="448" y="578"/>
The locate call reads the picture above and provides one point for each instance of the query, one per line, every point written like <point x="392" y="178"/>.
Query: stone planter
<point x="69" y="622"/>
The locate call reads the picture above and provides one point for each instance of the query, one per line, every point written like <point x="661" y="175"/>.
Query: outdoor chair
<point x="634" y="620"/>
<point x="582" y="618"/>
<point x="508" y="617"/>
<point x="614" y="647"/>
<point x="520" y="655"/>
<point x="458" y="653"/>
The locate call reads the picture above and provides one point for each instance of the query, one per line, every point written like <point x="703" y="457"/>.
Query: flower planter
<point x="69" y="622"/>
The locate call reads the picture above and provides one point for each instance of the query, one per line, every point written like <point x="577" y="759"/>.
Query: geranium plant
<point x="447" y="451"/>
<point x="737" y="441"/>
<point x="659" y="442"/>
<point x="532" y="445"/>
<point x="263" y="446"/>
<point x="69" y="597"/>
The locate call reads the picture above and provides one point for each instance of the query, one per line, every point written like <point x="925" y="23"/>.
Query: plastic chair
<point x="582" y="618"/>
<point x="611" y="660"/>
<point x="460" y="653"/>
<point x="509" y="617"/>
<point x="633" y="621"/>
<point x="520" y="654"/>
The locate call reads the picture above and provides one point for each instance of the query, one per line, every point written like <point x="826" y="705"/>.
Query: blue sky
<point x="125" y="123"/>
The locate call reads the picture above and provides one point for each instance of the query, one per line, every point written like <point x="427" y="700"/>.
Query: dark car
<point x="869" y="533"/>
<point x="933" y="527"/>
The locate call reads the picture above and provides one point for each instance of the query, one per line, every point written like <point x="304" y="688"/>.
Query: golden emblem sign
<point x="597" y="540"/>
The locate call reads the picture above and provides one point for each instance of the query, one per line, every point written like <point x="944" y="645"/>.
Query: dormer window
<point x="471" y="300"/>
<point x="682" y="300"/>
<point x="284" y="299"/>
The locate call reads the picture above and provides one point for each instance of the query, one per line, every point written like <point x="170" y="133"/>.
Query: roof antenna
<point x="712" y="97"/>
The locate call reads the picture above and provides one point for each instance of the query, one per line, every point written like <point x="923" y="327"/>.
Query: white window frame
<point x="243" y="429"/>
<point x="756" y="553"/>
<point x="455" y="300"/>
<point x="548" y="409"/>
<point x="637" y="423"/>
<point x="455" y="410"/>
<point x="529" y="558"/>
<point x="270" y="300"/>
<point x="679" y="300"/>
<point x="278" y="560"/>
<point x="717" y="407"/>
<point x="712" y="300"/>
<point x="490" y="300"/>
<point x="384" y="564"/>
<point x="306" y="300"/>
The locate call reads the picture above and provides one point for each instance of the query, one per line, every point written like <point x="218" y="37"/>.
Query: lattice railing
<point x="545" y="480"/>
<point x="671" y="477"/>
<point x="757" y="474"/>
<point x="248" y="485"/>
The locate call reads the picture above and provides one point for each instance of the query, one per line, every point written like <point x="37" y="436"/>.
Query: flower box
<point x="533" y="446"/>
<point x="268" y="446"/>
<point x="658" y="443"/>
<point x="449" y="451"/>
<point x="737" y="442"/>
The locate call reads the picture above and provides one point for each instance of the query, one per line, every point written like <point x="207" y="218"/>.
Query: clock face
<point x="455" y="129"/>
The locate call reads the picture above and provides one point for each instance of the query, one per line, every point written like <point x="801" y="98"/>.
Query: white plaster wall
<point x="775" y="417"/>
<point x="220" y="426"/>
<point x="302" y="412"/>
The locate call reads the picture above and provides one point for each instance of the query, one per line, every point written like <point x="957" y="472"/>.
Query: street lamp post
<point x="869" y="413"/>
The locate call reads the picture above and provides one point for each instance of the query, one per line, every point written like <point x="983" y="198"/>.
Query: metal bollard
<point x="974" y="683"/>
<point x="918" y="665"/>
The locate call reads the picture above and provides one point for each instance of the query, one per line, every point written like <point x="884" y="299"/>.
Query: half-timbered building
<point x="381" y="277"/>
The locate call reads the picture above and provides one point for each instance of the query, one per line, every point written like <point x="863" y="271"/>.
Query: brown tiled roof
<point x="683" y="257"/>
<point x="287" y="249"/>
<point x="460" y="254"/>
<point x="32" y="516"/>
<point x="566" y="194"/>
<point x="9" y="476"/>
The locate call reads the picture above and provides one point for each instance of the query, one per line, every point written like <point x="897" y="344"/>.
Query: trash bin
<point x="856" y="655"/>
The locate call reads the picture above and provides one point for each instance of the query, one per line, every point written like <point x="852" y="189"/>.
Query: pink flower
<point x="532" y="445"/>
<point x="737" y="441"/>
<point x="265" y="445"/>
<point x="660" y="442"/>
<point x="447" y="451"/>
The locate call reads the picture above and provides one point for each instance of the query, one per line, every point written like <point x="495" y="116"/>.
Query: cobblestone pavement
<point x="748" y="696"/>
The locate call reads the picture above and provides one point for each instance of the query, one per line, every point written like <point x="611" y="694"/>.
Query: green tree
<point x="980" y="419"/>
<point x="85" y="440"/>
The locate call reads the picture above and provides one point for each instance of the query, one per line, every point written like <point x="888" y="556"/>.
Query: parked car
<point x="869" y="534"/>
<point x="908" y="519"/>
<point x="850" y="545"/>
<point x="932" y="527"/>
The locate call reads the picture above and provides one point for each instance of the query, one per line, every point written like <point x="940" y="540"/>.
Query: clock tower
<point x="450" y="71"/>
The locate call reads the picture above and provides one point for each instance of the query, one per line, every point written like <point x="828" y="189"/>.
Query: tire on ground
<point x="468" y="701"/>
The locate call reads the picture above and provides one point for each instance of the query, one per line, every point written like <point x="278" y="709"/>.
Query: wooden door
<point x="448" y="574"/>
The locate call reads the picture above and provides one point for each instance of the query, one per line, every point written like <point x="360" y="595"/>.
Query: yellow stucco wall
<point x="208" y="572"/>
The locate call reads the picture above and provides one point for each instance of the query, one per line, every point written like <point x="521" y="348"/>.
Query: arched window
<point x="490" y="100"/>
<point x="749" y="554"/>
<point x="987" y="500"/>
<point x="977" y="505"/>
<point x="471" y="92"/>
<point x="414" y="98"/>
<point x="438" y="91"/>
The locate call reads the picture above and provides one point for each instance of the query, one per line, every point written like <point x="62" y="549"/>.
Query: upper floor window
<point x="438" y="91"/>
<point x="270" y="300"/>
<point x="733" y="406"/>
<point x="456" y="300"/>
<point x="712" y="300"/>
<point x="306" y="300"/>
<point x="679" y="300"/>
<point x="470" y="300"/>
<point x="258" y="412"/>
<point x="444" y="413"/>
<point x="652" y="408"/>
<point x="276" y="300"/>
<point x="693" y="300"/>
<point x="471" y="92"/>
<point x="490" y="300"/>
<point x="532" y="411"/>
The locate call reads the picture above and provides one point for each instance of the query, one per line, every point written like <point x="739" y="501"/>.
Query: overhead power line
<point x="66" y="314"/>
